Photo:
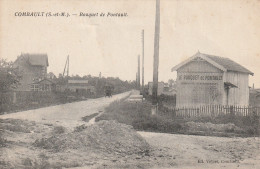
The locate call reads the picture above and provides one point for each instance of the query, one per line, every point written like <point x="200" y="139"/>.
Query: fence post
<point x="231" y="110"/>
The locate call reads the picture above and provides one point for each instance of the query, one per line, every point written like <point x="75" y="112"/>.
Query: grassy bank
<point x="138" y="116"/>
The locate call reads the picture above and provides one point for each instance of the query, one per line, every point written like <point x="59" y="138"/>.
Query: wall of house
<point x="199" y="83"/>
<point x="239" y="95"/>
<point x="29" y="73"/>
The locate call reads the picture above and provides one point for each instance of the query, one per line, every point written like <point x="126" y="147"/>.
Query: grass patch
<point x="59" y="130"/>
<point x="87" y="118"/>
<point x="80" y="128"/>
<point x="16" y="125"/>
<point x="3" y="141"/>
<point x="139" y="116"/>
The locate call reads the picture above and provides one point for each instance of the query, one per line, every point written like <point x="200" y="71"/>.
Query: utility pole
<point x="138" y="74"/>
<point x="143" y="64"/>
<point x="156" y="59"/>
<point x="136" y="80"/>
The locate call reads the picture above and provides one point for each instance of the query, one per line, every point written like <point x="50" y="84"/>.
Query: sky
<point x="111" y="45"/>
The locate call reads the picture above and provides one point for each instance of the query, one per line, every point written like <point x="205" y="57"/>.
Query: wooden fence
<point x="210" y="111"/>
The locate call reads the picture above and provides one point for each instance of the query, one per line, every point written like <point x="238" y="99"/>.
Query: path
<point x="68" y="115"/>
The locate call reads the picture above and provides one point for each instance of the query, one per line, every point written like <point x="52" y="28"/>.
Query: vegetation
<point x="9" y="76"/>
<point x="139" y="116"/>
<point x="9" y="79"/>
<point x="3" y="141"/>
<point x="59" y="130"/>
<point x="87" y="118"/>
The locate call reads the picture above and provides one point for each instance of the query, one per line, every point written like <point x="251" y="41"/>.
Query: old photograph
<point x="129" y="84"/>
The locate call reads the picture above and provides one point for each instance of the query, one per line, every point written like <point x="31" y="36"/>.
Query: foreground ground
<point x="208" y="152"/>
<point x="62" y="126"/>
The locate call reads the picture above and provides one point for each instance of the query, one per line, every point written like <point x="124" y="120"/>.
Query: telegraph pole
<point x="138" y="73"/>
<point x="156" y="59"/>
<point x="143" y="64"/>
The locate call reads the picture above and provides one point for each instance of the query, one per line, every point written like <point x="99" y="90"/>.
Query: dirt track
<point x="68" y="115"/>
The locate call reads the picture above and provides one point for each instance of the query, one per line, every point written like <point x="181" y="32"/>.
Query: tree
<point x="9" y="76"/>
<point x="51" y="75"/>
<point x="171" y="82"/>
<point x="60" y="76"/>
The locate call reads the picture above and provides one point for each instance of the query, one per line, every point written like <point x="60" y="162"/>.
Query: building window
<point x="34" y="87"/>
<point x="44" y="71"/>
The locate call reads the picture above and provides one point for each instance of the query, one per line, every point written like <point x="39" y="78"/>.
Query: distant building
<point x="80" y="87"/>
<point x="254" y="98"/>
<point x="160" y="88"/>
<point x="169" y="92"/>
<point x="32" y="68"/>
<point x="211" y="80"/>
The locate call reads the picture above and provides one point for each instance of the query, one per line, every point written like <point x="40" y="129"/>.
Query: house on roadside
<point x="32" y="68"/>
<point x="211" y="80"/>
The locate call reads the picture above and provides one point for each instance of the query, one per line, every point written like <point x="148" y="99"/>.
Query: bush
<point x="80" y="128"/>
<point x="59" y="130"/>
<point x="89" y="117"/>
<point x="139" y="116"/>
<point x="3" y="141"/>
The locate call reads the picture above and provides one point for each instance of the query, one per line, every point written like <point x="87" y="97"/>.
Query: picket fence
<point x="211" y="110"/>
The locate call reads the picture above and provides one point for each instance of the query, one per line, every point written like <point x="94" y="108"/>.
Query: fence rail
<point x="211" y="110"/>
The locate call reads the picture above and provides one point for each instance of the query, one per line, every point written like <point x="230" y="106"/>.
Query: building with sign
<point x="211" y="80"/>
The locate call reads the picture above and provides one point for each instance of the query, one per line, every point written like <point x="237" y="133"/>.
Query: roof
<point x="222" y="63"/>
<point x="78" y="81"/>
<point x="37" y="59"/>
<point x="230" y="85"/>
<point x="44" y="80"/>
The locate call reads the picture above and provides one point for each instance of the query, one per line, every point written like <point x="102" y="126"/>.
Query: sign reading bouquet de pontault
<point x="200" y="77"/>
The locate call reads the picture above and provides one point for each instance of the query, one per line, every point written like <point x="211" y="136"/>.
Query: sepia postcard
<point x="156" y="84"/>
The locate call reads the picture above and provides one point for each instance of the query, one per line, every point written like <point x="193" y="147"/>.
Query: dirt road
<point x="68" y="115"/>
